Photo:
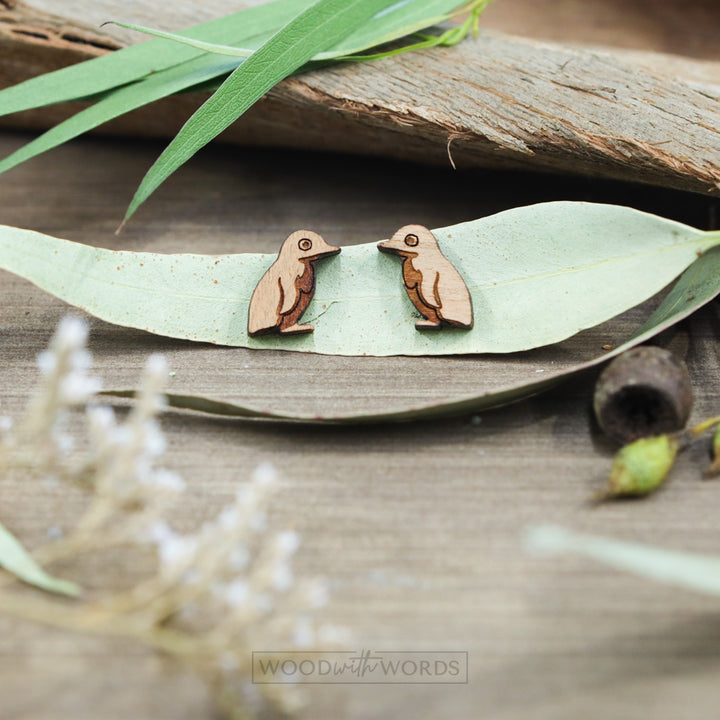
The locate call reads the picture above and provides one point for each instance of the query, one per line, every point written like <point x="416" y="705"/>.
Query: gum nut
<point x="640" y="467"/>
<point x="645" y="391"/>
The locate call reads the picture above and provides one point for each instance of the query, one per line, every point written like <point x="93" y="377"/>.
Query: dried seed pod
<point x="645" y="391"/>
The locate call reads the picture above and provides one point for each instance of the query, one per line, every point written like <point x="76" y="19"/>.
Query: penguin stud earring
<point x="286" y="289"/>
<point x="434" y="286"/>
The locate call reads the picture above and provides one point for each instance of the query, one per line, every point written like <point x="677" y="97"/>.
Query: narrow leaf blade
<point x="132" y="63"/>
<point x="693" y="571"/>
<point x="320" y="26"/>
<point x="16" y="560"/>
<point x="398" y="21"/>
<point x="123" y="100"/>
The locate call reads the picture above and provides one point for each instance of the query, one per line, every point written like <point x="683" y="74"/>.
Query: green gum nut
<point x="641" y="466"/>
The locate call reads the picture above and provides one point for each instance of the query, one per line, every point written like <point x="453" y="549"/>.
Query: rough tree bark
<point x="497" y="101"/>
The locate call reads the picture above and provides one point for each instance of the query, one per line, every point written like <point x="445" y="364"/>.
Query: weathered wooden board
<point x="419" y="527"/>
<point x="498" y="101"/>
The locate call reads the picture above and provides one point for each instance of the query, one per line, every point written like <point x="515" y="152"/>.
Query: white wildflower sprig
<point x="231" y="584"/>
<point x="123" y="456"/>
<point x="65" y="384"/>
<point x="217" y="593"/>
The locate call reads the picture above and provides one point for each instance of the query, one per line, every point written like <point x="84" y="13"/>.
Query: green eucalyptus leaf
<point x="697" y="286"/>
<point x="290" y="33"/>
<point x="16" y="560"/>
<point x="397" y="21"/>
<point x="682" y="569"/>
<point x="317" y="28"/>
<point x="123" y="100"/>
<point x="138" y="61"/>
<point x="537" y="275"/>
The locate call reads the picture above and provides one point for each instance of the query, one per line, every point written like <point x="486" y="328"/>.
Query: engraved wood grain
<point x="433" y="284"/>
<point x="287" y="287"/>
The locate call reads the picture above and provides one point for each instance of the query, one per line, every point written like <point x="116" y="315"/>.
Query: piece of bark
<point x="497" y="101"/>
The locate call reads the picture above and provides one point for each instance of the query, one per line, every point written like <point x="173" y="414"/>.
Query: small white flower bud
<point x="47" y="362"/>
<point x="288" y="542"/>
<point x="237" y="593"/>
<point x="282" y="578"/>
<point x="71" y="333"/>
<point x="317" y="594"/>
<point x="101" y="417"/>
<point x="154" y="441"/>
<point x="80" y="360"/>
<point x="239" y="558"/>
<point x="159" y="532"/>
<point x="176" y="550"/>
<point x="265" y="475"/>
<point x="157" y="367"/>
<point x="228" y="519"/>
<point x="76" y="388"/>
<point x="258" y="521"/>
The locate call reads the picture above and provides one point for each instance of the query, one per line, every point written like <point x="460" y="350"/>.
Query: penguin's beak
<point x="385" y="246"/>
<point x="327" y="251"/>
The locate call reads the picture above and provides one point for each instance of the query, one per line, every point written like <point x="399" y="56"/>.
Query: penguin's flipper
<point x="288" y="293"/>
<point x="429" y="289"/>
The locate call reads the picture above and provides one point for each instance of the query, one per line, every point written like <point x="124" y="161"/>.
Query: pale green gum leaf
<point x="692" y="571"/>
<point x="697" y="286"/>
<point x="17" y="561"/>
<point x="537" y="275"/>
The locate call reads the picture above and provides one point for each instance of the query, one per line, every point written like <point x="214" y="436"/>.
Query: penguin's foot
<point x="427" y="324"/>
<point x="296" y="329"/>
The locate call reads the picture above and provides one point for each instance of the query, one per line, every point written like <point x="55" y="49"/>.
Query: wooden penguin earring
<point x="432" y="283"/>
<point x="286" y="289"/>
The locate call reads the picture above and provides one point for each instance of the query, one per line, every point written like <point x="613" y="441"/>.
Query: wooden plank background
<point x="418" y="526"/>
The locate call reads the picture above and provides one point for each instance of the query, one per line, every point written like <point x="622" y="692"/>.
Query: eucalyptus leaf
<point x="400" y="20"/>
<point x="682" y="569"/>
<point x="144" y="80"/>
<point x="318" y="28"/>
<point x="123" y="100"/>
<point x="287" y="34"/>
<point x="537" y="275"/>
<point x="697" y="286"/>
<point x="132" y="63"/>
<point x="16" y="560"/>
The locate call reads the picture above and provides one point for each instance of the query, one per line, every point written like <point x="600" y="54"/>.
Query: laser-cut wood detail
<point x="432" y="282"/>
<point x="288" y="285"/>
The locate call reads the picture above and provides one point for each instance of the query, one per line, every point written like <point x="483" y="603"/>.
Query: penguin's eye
<point x="305" y="244"/>
<point x="411" y="240"/>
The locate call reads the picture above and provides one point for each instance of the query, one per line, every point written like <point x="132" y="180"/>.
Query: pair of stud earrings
<point x="432" y="283"/>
